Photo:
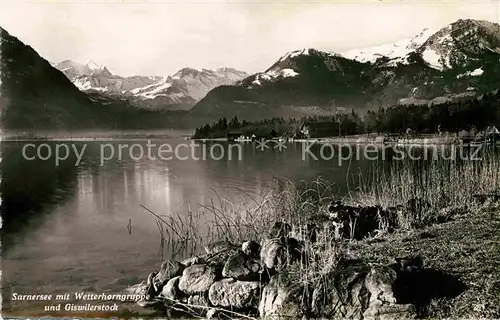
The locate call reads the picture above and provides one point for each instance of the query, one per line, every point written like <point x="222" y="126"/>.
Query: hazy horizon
<point x="159" y="38"/>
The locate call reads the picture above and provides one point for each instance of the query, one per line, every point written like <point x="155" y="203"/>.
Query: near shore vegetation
<point x="453" y="225"/>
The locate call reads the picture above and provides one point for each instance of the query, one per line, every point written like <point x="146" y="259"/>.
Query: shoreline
<point x="368" y="139"/>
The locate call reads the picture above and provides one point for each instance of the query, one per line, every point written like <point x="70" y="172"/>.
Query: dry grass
<point x="437" y="185"/>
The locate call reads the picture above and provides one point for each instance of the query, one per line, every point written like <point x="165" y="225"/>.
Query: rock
<point x="359" y="291"/>
<point x="151" y="289"/>
<point x="343" y="294"/>
<point x="218" y="260"/>
<point x="193" y="260"/>
<point x="198" y="303"/>
<point x="251" y="248"/>
<point x="389" y="219"/>
<point x="273" y="254"/>
<point x="171" y="289"/>
<point x="279" y="230"/>
<point x="379" y="282"/>
<point x="198" y="300"/>
<point x="277" y="253"/>
<point x="276" y="302"/>
<point x="219" y="246"/>
<point x="197" y="279"/>
<point x="241" y="266"/>
<point x="230" y="293"/>
<point x="168" y="270"/>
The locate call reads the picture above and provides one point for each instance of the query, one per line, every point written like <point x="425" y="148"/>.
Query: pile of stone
<point x="227" y="276"/>
<point x="247" y="279"/>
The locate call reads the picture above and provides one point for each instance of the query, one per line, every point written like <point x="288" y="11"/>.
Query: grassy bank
<point x="448" y="215"/>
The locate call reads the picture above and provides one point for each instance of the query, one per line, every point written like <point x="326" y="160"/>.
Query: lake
<point x="74" y="228"/>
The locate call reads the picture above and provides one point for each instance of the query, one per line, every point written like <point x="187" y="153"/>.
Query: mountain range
<point x="35" y="96"/>
<point x="179" y="91"/>
<point x="458" y="61"/>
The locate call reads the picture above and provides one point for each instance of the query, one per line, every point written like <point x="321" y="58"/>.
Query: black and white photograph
<point x="250" y="159"/>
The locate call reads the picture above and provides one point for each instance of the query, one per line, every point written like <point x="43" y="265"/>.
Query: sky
<point x="161" y="37"/>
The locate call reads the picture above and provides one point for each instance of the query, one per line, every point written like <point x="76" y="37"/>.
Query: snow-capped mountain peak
<point x="92" y="65"/>
<point x="184" y="88"/>
<point x="295" y="53"/>
<point x="456" y="44"/>
<point x="305" y="52"/>
<point x="397" y="50"/>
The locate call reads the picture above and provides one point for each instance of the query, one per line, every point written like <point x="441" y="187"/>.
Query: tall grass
<point x="435" y="184"/>
<point x="247" y="216"/>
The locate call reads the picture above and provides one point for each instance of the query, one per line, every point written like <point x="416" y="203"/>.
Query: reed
<point x="438" y="185"/>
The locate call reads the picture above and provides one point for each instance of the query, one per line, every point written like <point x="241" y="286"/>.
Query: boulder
<point x="241" y="266"/>
<point x="343" y="295"/>
<point x="218" y="260"/>
<point x="230" y="293"/>
<point x="198" y="300"/>
<point x="273" y="254"/>
<point x="276" y="302"/>
<point x="359" y="291"/>
<point x="171" y="289"/>
<point x="152" y="290"/>
<point x="168" y="270"/>
<point x="197" y="279"/>
<point x="193" y="260"/>
<point x="277" y="253"/>
<point x="379" y="282"/>
<point x="197" y="304"/>
<point x="250" y="248"/>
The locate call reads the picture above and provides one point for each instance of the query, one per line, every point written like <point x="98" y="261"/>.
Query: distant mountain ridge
<point x="179" y="91"/>
<point x="36" y="96"/>
<point x="460" y="60"/>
